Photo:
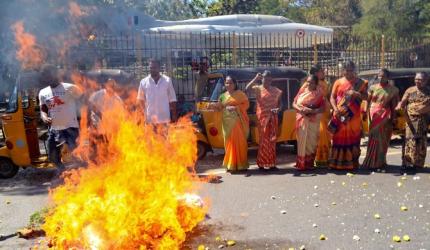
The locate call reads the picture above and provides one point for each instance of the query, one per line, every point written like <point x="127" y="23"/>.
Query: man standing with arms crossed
<point x="156" y="96"/>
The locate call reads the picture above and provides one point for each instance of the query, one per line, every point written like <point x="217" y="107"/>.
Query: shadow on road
<point x="394" y="170"/>
<point x="29" y="181"/>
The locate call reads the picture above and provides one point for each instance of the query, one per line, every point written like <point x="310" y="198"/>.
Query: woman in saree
<point x="235" y="126"/>
<point x="323" y="149"/>
<point x="416" y="106"/>
<point x="309" y="104"/>
<point x="345" y="124"/>
<point x="381" y="102"/>
<point x="268" y="103"/>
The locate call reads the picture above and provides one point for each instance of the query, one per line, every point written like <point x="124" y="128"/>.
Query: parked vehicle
<point x="21" y="127"/>
<point x="209" y="132"/>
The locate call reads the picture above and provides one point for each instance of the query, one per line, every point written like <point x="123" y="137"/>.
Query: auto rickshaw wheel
<point x="201" y="150"/>
<point x="7" y="168"/>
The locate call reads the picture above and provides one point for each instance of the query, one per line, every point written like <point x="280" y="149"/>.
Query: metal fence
<point x="183" y="55"/>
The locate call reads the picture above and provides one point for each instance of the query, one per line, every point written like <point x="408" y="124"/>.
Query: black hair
<point x="386" y="72"/>
<point x="48" y="74"/>
<point x="315" y="69"/>
<point x="267" y="73"/>
<point x="349" y="64"/>
<point x="49" y="69"/>
<point x="153" y="60"/>
<point x="234" y="81"/>
<point x="424" y="74"/>
<point x="314" y="78"/>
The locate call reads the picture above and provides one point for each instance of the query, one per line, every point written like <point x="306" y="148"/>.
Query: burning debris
<point x="137" y="191"/>
<point x="140" y="196"/>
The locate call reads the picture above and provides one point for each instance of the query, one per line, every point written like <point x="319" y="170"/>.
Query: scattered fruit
<point x="406" y="237"/>
<point x="201" y="247"/>
<point x="397" y="238"/>
<point x="231" y="243"/>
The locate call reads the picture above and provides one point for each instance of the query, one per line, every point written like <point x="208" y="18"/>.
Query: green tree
<point x="394" y="18"/>
<point x="174" y="9"/>
<point x="229" y="7"/>
<point x="290" y="9"/>
<point x="164" y="9"/>
<point x="332" y="12"/>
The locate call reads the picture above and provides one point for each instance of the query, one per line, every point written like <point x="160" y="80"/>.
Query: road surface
<point x="276" y="209"/>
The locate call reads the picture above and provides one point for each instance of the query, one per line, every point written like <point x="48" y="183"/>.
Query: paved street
<point x="277" y="210"/>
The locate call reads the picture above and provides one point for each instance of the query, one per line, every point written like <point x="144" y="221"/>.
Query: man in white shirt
<point x="58" y="109"/>
<point x="104" y="101"/>
<point x="103" y="104"/>
<point x="157" y="96"/>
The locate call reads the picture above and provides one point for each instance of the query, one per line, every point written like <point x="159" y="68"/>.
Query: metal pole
<point x="382" y="51"/>
<point x="315" y="48"/>
<point x="138" y="49"/>
<point x="234" y="59"/>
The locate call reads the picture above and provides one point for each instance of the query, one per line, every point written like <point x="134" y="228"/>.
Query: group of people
<point x="328" y="122"/>
<point x="59" y="103"/>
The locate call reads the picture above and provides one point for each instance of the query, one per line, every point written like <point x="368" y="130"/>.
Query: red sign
<point x="300" y="33"/>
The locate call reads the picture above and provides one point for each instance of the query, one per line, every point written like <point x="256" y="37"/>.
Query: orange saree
<point x="345" y="150"/>
<point x="267" y="100"/>
<point x="235" y="128"/>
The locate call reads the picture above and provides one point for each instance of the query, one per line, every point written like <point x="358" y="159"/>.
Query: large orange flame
<point x="139" y="195"/>
<point x="29" y="53"/>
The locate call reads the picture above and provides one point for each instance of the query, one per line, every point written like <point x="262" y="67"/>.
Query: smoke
<point x="65" y="32"/>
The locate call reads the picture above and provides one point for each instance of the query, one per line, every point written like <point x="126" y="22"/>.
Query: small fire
<point x="139" y="195"/>
<point x="29" y="53"/>
<point x="75" y="10"/>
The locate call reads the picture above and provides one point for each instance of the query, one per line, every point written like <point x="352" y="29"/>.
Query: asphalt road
<point x="277" y="209"/>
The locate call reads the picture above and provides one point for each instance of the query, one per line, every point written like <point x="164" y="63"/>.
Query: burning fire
<point x="29" y="53"/>
<point x="75" y="10"/>
<point x="138" y="196"/>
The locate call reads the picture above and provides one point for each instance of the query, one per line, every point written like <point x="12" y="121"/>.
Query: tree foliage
<point x="394" y="18"/>
<point x="333" y="12"/>
<point x="228" y="7"/>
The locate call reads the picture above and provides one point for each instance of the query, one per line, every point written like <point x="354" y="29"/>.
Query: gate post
<point x="382" y="51"/>
<point x="138" y="48"/>
<point x="315" y="48"/>
<point x="234" y="56"/>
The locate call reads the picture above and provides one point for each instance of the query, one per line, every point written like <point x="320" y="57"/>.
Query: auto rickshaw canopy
<point x="245" y="74"/>
<point x="395" y="73"/>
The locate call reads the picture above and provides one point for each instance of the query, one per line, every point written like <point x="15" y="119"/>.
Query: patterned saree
<point x="384" y="99"/>
<point x="307" y="126"/>
<point x="345" y="150"/>
<point x="267" y="100"/>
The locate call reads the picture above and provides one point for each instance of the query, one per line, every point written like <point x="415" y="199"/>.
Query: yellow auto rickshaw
<point x="20" y="128"/>
<point x="208" y="122"/>
<point x="23" y="134"/>
<point x="402" y="78"/>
